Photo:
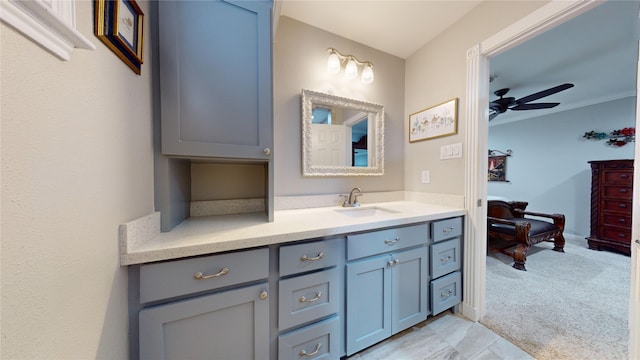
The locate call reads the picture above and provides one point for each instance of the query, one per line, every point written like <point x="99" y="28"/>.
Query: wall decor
<point x="119" y="25"/>
<point x="497" y="168"/>
<point x="436" y="121"/>
<point x="615" y="138"/>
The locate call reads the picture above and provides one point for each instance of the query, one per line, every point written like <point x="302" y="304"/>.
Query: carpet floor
<point x="571" y="305"/>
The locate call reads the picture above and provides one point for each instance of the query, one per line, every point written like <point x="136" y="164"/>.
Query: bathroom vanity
<point x="317" y="283"/>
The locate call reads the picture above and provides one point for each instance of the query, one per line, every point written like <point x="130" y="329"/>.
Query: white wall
<point x="436" y="73"/>
<point x="76" y="162"/>
<point x="300" y="62"/>
<point x="549" y="166"/>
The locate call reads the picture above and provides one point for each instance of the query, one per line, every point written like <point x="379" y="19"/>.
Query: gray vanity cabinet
<point x="206" y="307"/>
<point x="446" y="262"/>
<point x="386" y="284"/>
<point x="216" y="78"/>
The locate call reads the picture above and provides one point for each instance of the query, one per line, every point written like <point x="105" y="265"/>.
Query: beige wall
<point x="300" y="62"/>
<point x="436" y="73"/>
<point x="76" y="162"/>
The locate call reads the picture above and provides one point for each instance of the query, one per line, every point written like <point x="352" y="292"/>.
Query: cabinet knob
<point x="263" y="295"/>
<point x="267" y="151"/>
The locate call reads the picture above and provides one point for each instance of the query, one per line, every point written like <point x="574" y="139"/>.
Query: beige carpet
<point x="571" y="305"/>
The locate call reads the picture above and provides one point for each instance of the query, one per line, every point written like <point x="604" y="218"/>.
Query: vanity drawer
<point x="382" y="241"/>
<point x="308" y="297"/>
<point x="309" y="256"/>
<point x="446" y="229"/>
<point x="446" y="292"/>
<point x="317" y="341"/>
<point x="180" y="277"/>
<point x="445" y="257"/>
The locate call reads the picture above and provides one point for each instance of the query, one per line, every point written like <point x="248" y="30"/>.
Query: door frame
<point x="548" y="16"/>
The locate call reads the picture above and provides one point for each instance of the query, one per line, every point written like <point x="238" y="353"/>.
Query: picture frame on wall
<point x="119" y="24"/>
<point x="497" y="167"/>
<point x="433" y="122"/>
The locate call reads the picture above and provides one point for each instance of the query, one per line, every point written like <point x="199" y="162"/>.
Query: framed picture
<point x="497" y="168"/>
<point x="436" y="121"/>
<point x="119" y="25"/>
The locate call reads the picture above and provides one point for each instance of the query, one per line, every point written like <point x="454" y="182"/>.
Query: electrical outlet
<point x="426" y="177"/>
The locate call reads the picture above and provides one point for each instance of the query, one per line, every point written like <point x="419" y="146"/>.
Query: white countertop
<point x="142" y="242"/>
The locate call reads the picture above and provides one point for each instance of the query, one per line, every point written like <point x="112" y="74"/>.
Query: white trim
<point x="543" y="19"/>
<point x="50" y="24"/>
<point x="634" y="293"/>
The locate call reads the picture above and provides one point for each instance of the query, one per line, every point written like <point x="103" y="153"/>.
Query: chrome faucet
<point x="352" y="200"/>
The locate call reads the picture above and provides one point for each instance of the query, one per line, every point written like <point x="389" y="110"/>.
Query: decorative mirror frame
<point x="313" y="98"/>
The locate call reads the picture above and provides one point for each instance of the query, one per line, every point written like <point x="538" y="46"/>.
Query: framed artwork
<point x="119" y="25"/>
<point x="436" y="121"/>
<point x="497" y="168"/>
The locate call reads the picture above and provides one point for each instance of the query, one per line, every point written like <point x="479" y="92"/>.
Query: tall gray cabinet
<point x="215" y="72"/>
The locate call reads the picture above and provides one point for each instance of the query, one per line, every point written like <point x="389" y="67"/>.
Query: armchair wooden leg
<point x="558" y="243"/>
<point x="520" y="256"/>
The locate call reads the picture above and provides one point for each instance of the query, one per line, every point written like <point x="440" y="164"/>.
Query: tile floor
<point x="446" y="336"/>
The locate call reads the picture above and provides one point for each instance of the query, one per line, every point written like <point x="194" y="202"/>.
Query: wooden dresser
<point x="611" y="205"/>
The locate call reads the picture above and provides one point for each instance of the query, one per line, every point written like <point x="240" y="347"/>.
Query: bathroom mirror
<point x="341" y="136"/>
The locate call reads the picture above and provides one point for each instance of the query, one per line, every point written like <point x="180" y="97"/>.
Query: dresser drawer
<point x="616" y="220"/>
<point x="446" y="229"/>
<point x="310" y="256"/>
<point x="308" y="297"/>
<point x="618" y="192"/>
<point x="446" y="292"/>
<point x="317" y="341"/>
<point x="617" y="205"/>
<point x="618" y="177"/>
<point x="381" y="241"/>
<point x="181" y="277"/>
<point x="445" y="257"/>
<point x="616" y="234"/>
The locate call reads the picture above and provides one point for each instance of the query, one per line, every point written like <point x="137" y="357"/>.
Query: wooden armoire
<point x="611" y="205"/>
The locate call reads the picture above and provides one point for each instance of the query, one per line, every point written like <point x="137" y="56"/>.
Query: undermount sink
<point x="366" y="211"/>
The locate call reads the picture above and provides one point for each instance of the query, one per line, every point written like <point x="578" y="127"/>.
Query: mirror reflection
<point x="341" y="136"/>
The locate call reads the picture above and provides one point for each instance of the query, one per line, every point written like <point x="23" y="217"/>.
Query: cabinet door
<point x="215" y="78"/>
<point x="409" y="288"/>
<point x="228" y="325"/>
<point x="368" y="302"/>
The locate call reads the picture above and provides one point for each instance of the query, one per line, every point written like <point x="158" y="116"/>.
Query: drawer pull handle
<point x="446" y="294"/>
<point x="201" y="276"/>
<point x="447" y="230"/>
<point x="305" y="258"/>
<point x="623" y="190"/>
<point x="391" y="242"/>
<point x="622" y="221"/>
<point x="445" y="259"/>
<point x="314" y="299"/>
<point x="621" y="235"/>
<point x="624" y="176"/>
<point x="622" y="205"/>
<point x="314" y="352"/>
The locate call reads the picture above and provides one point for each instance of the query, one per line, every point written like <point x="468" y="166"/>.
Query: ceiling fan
<point x="503" y="104"/>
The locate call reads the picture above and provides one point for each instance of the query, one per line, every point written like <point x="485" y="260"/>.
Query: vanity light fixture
<point x="351" y="69"/>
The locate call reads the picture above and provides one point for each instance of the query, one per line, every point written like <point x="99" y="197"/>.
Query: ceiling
<point x="596" y="51"/>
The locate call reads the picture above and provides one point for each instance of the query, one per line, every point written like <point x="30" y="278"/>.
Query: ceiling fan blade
<point x="493" y="115"/>
<point x="535" y="106"/>
<point x="543" y="93"/>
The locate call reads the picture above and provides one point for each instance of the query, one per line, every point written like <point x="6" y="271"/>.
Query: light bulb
<point x="367" y="75"/>
<point x="333" y="64"/>
<point x="351" y="71"/>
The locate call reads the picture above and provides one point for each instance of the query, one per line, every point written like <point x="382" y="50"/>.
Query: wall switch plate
<point x="451" y="151"/>
<point x="426" y="177"/>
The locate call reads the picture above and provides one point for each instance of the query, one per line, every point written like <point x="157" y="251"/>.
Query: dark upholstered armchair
<point x="507" y="227"/>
